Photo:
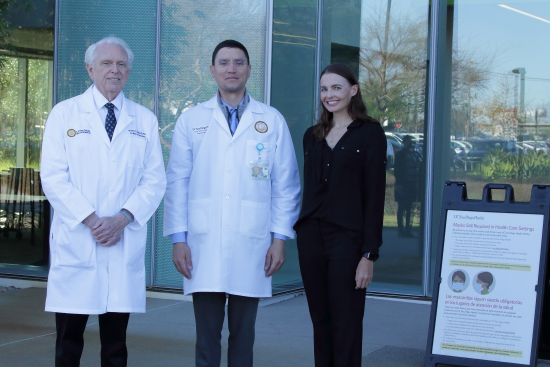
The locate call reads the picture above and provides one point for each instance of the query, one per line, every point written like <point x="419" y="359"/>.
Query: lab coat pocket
<point x="75" y="248"/>
<point x="199" y="216"/>
<point x="134" y="246"/>
<point x="138" y="147"/>
<point x="255" y="219"/>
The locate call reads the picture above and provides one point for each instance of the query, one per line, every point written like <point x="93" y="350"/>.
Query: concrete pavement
<point x="395" y="333"/>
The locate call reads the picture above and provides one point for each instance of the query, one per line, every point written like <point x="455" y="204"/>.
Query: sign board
<point x="487" y="301"/>
<point x="398" y="124"/>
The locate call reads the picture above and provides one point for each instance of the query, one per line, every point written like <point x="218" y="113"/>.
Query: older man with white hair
<point x="102" y="171"/>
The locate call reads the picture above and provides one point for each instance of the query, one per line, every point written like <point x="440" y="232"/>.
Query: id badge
<point x="259" y="170"/>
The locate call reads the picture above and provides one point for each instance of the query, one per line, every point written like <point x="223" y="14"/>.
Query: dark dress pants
<point x="328" y="258"/>
<point x="70" y="339"/>
<point x="241" y="319"/>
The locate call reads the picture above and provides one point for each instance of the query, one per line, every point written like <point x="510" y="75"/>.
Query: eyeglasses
<point x="239" y="64"/>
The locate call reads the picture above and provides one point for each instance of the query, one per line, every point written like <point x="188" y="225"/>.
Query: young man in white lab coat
<point x="232" y="180"/>
<point x="102" y="171"/>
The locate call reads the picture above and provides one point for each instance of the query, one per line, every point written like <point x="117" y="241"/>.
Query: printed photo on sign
<point x="484" y="283"/>
<point x="458" y="280"/>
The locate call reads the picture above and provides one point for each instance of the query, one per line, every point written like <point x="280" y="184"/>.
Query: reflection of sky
<point x="519" y="40"/>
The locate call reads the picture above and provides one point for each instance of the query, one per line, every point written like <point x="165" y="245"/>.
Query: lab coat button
<point x="228" y="171"/>
<point x="112" y="190"/>
<point x="230" y="144"/>
<point x="227" y="197"/>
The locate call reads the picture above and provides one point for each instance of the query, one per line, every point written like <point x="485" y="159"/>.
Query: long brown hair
<point x="356" y="107"/>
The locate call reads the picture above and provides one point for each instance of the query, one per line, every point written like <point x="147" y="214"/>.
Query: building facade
<point x="467" y="80"/>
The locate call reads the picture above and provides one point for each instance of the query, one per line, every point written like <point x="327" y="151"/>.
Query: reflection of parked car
<point x="525" y="147"/>
<point x="460" y="146"/>
<point x="480" y="147"/>
<point x="394" y="137"/>
<point x="539" y="146"/>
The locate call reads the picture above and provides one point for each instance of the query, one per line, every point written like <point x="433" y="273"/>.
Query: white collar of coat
<point x="246" y="120"/>
<point x="86" y="105"/>
<point x="101" y="101"/>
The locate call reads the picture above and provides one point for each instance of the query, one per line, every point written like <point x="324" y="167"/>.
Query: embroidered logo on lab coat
<point x="261" y="127"/>
<point x="200" y="130"/>
<point x="138" y="134"/>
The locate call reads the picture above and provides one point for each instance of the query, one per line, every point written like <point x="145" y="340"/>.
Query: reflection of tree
<point x="496" y="111"/>
<point x="5" y="7"/>
<point x="470" y="68"/>
<point x="191" y="30"/>
<point x="393" y="65"/>
<point x="37" y="109"/>
<point x="393" y="68"/>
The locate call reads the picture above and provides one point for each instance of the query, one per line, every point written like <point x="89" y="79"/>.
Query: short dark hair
<point x="458" y="273"/>
<point x="230" y="44"/>
<point x="486" y="277"/>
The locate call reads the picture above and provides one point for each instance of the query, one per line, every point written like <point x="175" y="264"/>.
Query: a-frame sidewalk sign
<point x="490" y="275"/>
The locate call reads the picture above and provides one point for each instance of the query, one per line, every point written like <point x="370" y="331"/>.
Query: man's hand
<point x="181" y="257"/>
<point x="107" y="230"/>
<point x="91" y="220"/>
<point x="275" y="257"/>
<point x="363" y="275"/>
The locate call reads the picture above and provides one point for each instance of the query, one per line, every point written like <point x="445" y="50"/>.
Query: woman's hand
<point x="363" y="275"/>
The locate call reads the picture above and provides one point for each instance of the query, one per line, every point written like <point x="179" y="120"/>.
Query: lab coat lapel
<point x="217" y="114"/>
<point x="91" y="115"/>
<point x="248" y="117"/>
<point x="125" y="117"/>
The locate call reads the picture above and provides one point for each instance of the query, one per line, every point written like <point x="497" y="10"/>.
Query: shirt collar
<point x="243" y="103"/>
<point x="100" y="99"/>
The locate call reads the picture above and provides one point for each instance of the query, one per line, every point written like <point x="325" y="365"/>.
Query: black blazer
<point x="346" y="186"/>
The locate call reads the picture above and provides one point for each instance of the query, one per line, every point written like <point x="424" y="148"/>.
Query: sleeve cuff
<point x="179" y="237"/>
<point x="279" y="236"/>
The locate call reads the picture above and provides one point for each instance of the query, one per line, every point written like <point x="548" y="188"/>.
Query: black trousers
<point x="328" y="261"/>
<point x="70" y="339"/>
<point x="241" y="319"/>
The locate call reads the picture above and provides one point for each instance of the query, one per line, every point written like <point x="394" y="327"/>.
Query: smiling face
<point x="110" y="69"/>
<point x="231" y="70"/>
<point x="336" y="92"/>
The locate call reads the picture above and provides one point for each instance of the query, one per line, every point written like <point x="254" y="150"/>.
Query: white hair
<point x="91" y="53"/>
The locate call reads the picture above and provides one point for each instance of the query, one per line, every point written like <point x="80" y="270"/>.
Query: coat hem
<point x="94" y="311"/>
<point x="235" y="293"/>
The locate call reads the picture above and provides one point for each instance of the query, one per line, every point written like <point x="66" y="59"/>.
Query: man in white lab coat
<point x="102" y="171"/>
<point x="232" y="180"/>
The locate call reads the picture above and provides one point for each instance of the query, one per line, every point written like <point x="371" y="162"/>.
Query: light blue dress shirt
<point x="233" y="123"/>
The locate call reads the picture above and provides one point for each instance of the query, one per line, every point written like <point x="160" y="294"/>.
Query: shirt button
<point x="326" y="179"/>
<point x="328" y="164"/>
<point x="112" y="190"/>
<point x="227" y="197"/>
<point x="228" y="171"/>
<point x="230" y="144"/>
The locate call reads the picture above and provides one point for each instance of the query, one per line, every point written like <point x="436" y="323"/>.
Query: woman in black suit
<point x="340" y="225"/>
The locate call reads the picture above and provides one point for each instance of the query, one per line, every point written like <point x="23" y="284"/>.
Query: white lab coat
<point x="229" y="215"/>
<point x="86" y="173"/>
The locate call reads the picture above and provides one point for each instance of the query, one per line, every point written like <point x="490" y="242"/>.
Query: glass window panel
<point x="385" y="43"/>
<point x="293" y="83"/>
<point x="190" y="32"/>
<point x="83" y="23"/>
<point x="26" y="95"/>
<point x="496" y="126"/>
